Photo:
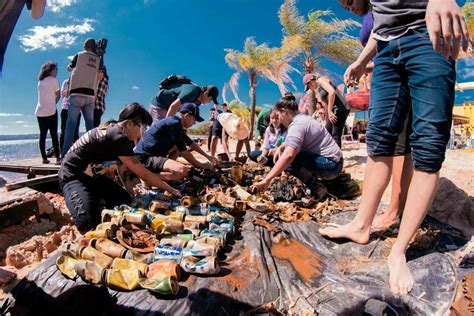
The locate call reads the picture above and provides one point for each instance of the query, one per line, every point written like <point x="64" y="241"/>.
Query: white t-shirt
<point x="47" y="89"/>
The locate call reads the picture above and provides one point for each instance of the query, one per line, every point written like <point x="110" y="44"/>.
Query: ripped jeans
<point x="85" y="197"/>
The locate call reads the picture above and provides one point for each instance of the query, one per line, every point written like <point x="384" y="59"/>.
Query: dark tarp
<point x="251" y="276"/>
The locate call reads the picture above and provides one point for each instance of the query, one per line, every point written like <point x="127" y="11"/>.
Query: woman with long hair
<point x="308" y="148"/>
<point x="46" y="113"/>
<point x="333" y="100"/>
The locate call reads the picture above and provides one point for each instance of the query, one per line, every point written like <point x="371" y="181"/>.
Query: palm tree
<point x="315" y="38"/>
<point x="258" y="61"/>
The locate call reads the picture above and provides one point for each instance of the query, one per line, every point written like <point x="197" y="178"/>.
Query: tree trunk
<point x="253" y="84"/>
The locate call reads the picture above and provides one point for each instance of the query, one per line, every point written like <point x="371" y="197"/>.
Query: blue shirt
<point x="162" y="136"/>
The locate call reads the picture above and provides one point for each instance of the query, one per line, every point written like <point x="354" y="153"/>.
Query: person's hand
<point x="207" y="166"/>
<point x="353" y="73"/>
<point x="260" y="186"/>
<point x="445" y="22"/>
<point x="175" y="192"/>
<point x="332" y="117"/>
<point x="213" y="160"/>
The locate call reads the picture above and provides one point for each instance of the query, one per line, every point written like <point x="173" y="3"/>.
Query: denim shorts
<point x="411" y="78"/>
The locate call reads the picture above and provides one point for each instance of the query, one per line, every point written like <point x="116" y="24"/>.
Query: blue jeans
<point x="254" y="155"/>
<point x="78" y="104"/>
<point x="320" y="167"/>
<point x="409" y="72"/>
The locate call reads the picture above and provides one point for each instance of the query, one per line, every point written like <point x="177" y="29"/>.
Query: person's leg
<point x="63" y="127"/>
<point x="338" y="128"/>
<point x="209" y="139"/>
<point x="255" y="154"/>
<point x="73" y="112"/>
<point x="388" y="110"/>
<point x="97" y="117"/>
<point x="111" y="192"/>
<point x="402" y="172"/>
<point x="238" y="148"/>
<point x="76" y="132"/>
<point x="247" y="146"/>
<point x="53" y="131"/>
<point x="43" y="127"/>
<point x="214" y="141"/>
<point x="88" y="112"/>
<point x="431" y="80"/>
<point x="82" y="202"/>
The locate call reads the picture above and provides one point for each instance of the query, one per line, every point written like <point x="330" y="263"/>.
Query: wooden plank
<point x="16" y="195"/>
<point x="17" y="205"/>
<point x="32" y="167"/>
<point x="31" y="182"/>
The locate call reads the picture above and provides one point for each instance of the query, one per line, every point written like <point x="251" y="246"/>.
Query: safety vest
<point x="84" y="75"/>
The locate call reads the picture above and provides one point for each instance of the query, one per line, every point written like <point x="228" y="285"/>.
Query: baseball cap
<point x="192" y="109"/>
<point x="213" y="92"/>
<point x="308" y="77"/>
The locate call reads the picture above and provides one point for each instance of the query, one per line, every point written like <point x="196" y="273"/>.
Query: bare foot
<point x="349" y="231"/>
<point x="384" y="220"/>
<point x="400" y="280"/>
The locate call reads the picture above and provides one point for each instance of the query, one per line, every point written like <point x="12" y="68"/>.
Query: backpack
<point x="174" y="79"/>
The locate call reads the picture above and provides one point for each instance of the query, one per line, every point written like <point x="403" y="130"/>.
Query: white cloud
<point x="21" y="122"/>
<point x="135" y="87"/>
<point x="70" y="57"/>
<point x="57" y="5"/>
<point x="10" y="114"/>
<point x="44" y="37"/>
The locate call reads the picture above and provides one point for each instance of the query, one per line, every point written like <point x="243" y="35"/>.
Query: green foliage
<point x="320" y="35"/>
<point x="201" y="129"/>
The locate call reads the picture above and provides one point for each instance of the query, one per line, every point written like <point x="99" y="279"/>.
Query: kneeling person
<point x="80" y="178"/>
<point x="165" y="138"/>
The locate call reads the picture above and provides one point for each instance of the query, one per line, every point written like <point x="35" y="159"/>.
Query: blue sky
<point x="148" y="39"/>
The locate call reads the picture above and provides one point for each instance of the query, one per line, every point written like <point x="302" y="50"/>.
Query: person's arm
<point x="134" y="165"/>
<point x="445" y="21"/>
<point x="72" y="65"/>
<point x="357" y="68"/>
<point x="58" y="96"/>
<point x="326" y="85"/>
<point x="174" y="108"/>
<point x="192" y="160"/>
<point x="285" y="160"/>
<point x="310" y="102"/>
<point x="225" y="145"/>
<point x="37" y="8"/>
<point x="198" y="149"/>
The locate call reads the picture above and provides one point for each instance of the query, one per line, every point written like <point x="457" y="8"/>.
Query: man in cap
<point x="169" y="99"/>
<point x="168" y="135"/>
<point x="236" y="128"/>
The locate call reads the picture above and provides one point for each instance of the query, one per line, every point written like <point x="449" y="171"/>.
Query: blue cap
<point x="192" y="109"/>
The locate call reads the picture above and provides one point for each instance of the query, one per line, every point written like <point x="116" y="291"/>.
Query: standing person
<point x="80" y="178"/>
<point x="217" y="129"/>
<point x="157" y="148"/>
<point x="235" y="127"/>
<point x="263" y="121"/>
<point x="333" y="100"/>
<point x="82" y="87"/>
<point x="64" y="110"/>
<point x="413" y="66"/>
<point x="212" y="118"/>
<point x="46" y="113"/>
<point x="308" y="148"/>
<point x="102" y="90"/>
<point x="170" y="97"/>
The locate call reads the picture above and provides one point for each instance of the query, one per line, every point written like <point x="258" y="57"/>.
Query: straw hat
<point x="235" y="127"/>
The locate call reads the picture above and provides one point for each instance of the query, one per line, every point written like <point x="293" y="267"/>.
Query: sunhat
<point x="234" y="126"/>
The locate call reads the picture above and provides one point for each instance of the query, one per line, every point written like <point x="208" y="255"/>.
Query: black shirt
<point x="97" y="146"/>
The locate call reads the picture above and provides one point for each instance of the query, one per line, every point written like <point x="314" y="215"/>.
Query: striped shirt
<point x="102" y="91"/>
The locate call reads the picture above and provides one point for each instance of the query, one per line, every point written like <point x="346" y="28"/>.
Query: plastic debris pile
<point x="151" y="242"/>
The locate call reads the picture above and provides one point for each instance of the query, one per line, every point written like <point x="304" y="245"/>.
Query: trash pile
<point x="151" y="242"/>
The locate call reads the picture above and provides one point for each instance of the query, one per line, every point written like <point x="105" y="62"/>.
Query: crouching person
<point x="308" y="149"/>
<point x="166" y="139"/>
<point x="80" y="178"/>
